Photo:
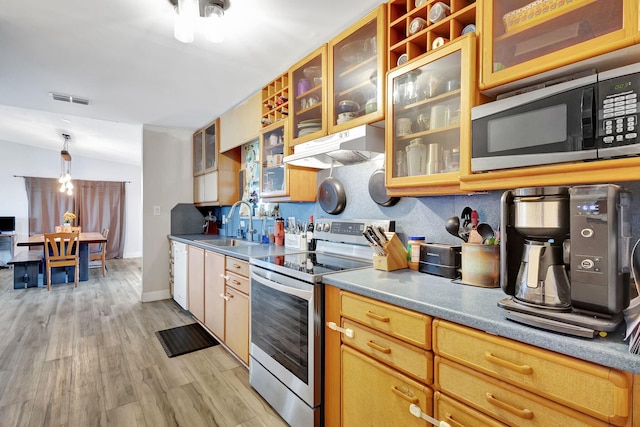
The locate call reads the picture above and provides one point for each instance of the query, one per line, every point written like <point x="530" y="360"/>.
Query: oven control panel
<point x="348" y="230"/>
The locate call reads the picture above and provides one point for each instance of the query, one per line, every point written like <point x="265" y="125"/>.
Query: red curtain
<point x="97" y="205"/>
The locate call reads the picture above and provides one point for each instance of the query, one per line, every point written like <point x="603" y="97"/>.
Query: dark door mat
<point x="185" y="339"/>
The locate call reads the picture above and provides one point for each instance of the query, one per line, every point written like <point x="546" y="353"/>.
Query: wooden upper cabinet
<point x="357" y="57"/>
<point x="205" y="148"/>
<point x="428" y="126"/>
<point x="275" y="100"/>
<point x="521" y="39"/>
<point x="418" y="27"/>
<point x="308" y="108"/>
<point x="241" y="124"/>
<point x="280" y="182"/>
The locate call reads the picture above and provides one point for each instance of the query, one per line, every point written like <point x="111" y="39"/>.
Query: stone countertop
<point x="243" y="252"/>
<point x="477" y="308"/>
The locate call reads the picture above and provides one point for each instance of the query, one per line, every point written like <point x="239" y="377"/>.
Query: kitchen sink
<point x="227" y="242"/>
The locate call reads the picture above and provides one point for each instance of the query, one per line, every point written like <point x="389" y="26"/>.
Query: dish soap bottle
<point x="311" y="242"/>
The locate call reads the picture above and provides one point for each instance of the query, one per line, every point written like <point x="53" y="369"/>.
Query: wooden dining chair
<point x="99" y="254"/>
<point x="76" y="229"/>
<point x="62" y="250"/>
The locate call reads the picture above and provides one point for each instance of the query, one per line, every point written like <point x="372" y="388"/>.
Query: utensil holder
<point x="296" y="241"/>
<point x="396" y="257"/>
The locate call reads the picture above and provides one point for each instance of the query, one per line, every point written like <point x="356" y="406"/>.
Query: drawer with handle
<point x="406" y="325"/>
<point x="458" y="415"/>
<point x="236" y="281"/>
<point x="505" y="402"/>
<point x="407" y="358"/>
<point x="605" y="393"/>
<point x="237" y="266"/>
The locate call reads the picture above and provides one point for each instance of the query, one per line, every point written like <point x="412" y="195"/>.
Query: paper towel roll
<point x="440" y="41"/>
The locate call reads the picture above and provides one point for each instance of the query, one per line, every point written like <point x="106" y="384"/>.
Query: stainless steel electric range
<point x="287" y="316"/>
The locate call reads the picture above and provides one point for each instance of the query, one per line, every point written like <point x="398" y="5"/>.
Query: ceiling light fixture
<point x="65" y="167"/>
<point x="191" y="14"/>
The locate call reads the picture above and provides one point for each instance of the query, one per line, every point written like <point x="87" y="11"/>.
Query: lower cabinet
<point x="214" y="293"/>
<point x="375" y="394"/>
<point x="218" y="290"/>
<point x="379" y="359"/>
<point x="195" y="281"/>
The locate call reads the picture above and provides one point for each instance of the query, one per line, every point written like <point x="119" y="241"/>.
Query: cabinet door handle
<point x="377" y="316"/>
<point x="522" y="413"/>
<point x="224" y="297"/>
<point x="385" y="350"/>
<point x="451" y="421"/>
<point x="521" y="369"/>
<point x="410" y="399"/>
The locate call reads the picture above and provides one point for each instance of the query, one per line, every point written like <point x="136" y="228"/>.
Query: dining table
<point x="86" y="238"/>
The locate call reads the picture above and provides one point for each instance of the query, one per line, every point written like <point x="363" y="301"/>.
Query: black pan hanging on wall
<point x="378" y="191"/>
<point x="331" y="195"/>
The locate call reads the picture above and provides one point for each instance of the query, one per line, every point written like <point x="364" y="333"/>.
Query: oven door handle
<point x="301" y="293"/>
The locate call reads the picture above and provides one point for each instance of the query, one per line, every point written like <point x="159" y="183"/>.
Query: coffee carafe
<point x="541" y="216"/>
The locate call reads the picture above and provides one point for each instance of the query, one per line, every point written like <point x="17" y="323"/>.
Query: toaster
<point x="440" y="259"/>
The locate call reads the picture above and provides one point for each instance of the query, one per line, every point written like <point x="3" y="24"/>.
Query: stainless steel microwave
<point x="588" y="118"/>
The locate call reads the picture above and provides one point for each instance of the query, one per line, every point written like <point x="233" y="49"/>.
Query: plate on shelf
<point x="308" y="131"/>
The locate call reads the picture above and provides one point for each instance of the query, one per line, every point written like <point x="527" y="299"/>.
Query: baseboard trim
<point x="155" y="295"/>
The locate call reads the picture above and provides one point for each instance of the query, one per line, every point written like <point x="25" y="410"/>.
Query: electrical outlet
<point x="156" y="210"/>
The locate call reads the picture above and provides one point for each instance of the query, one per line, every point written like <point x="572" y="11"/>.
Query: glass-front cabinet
<point x="428" y="140"/>
<point x="279" y="181"/>
<point x="309" y="89"/>
<point x="205" y="146"/>
<point x="272" y="151"/>
<point x="356" y="58"/>
<point x="523" y="37"/>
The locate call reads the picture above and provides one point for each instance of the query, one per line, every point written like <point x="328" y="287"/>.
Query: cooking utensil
<point x="453" y="227"/>
<point x="465" y="216"/>
<point x="485" y="231"/>
<point x="378" y="191"/>
<point x="331" y="195"/>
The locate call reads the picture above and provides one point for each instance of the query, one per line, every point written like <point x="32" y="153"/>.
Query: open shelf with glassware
<point x="275" y="100"/>
<point x="416" y="27"/>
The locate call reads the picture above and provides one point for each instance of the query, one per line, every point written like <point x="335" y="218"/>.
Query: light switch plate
<point x="156" y="210"/>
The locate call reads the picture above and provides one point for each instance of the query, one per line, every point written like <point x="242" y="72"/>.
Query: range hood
<point x="348" y="147"/>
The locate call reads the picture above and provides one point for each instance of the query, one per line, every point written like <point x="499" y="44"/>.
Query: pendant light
<point x="66" y="186"/>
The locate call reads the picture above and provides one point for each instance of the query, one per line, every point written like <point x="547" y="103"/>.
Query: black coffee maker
<point x="564" y="257"/>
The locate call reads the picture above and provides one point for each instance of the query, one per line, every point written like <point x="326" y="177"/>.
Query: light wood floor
<point x="89" y="357"/>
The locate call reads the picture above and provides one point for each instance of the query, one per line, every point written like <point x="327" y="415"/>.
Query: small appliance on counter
<point x="440" y="260"/>
<point x="564" y="257"/>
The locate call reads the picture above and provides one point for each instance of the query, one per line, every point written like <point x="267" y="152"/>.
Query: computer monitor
<point x="7" y="223"/>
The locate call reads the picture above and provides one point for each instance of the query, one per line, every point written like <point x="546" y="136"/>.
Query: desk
<point x="85" y="240"/>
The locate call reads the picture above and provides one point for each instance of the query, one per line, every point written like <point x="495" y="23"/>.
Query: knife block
<point x="396" y="257"/>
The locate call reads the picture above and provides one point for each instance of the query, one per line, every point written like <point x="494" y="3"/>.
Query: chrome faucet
<point x="251" y="231"/>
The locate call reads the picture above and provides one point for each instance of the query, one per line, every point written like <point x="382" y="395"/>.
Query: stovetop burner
<point x="314" y="263"/>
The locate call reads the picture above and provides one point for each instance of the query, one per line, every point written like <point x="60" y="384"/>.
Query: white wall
<point x="167" y="172"/>
<point x="25" y="160"/>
